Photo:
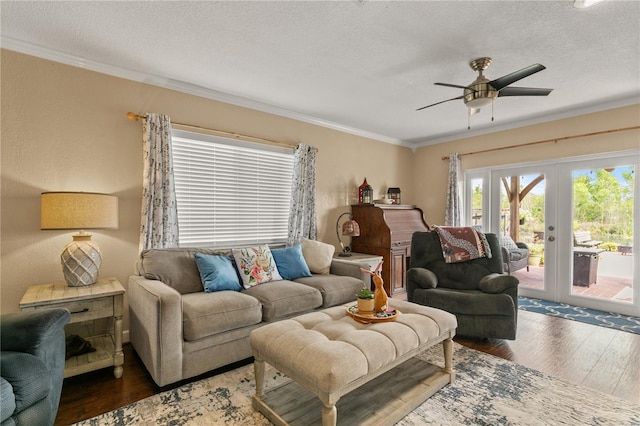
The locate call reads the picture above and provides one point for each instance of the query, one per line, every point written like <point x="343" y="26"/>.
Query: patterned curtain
<point x="159" y="224"/>
<point x="302" y="212"/>
<point x="452" y="216"/>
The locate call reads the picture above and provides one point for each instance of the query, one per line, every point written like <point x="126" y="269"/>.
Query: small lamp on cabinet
<point x="349" y="229"/>
<point x="81" y="258"/>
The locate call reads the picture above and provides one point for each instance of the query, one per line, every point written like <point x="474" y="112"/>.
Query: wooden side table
<point x="96" y="315"/>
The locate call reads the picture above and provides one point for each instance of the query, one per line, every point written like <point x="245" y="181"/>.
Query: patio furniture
<point x="482" y="297"/>
<point x="625" y="249"/>
<point x="583" y="239"/>
<point x="515" y="255"/>
<point x="585" y="265"/>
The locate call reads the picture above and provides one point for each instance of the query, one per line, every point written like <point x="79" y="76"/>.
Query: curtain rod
<point x="554" y="140"/>
<point x="136" y="117"/>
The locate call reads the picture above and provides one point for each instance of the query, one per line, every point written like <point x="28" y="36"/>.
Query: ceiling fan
<point x="483" y="91"/>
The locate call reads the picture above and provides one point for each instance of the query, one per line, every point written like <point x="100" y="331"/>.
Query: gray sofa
<point x="179" y="331"/>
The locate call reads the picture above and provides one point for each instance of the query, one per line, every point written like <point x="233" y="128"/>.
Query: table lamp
<point x="351" y="229"/>
<point x="81" y="258"/>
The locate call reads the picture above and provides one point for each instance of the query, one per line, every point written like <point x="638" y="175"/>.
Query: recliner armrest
<point x="28" y="331"/>
<point x="497" y="283"/>
<point x="424" y="278"/>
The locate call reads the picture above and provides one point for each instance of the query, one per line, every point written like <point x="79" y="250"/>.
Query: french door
<point x="547" y="206"/>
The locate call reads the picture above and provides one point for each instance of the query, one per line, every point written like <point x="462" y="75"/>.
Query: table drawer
<point x="85" y="310"/>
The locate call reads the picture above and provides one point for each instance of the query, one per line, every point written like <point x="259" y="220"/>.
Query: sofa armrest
<point x="497" y="283"/>
<point x="155" y="327"/>
<point x="351" y="269"/>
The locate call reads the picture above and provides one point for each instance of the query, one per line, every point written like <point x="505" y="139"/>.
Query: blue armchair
<point x="32" y="361"/>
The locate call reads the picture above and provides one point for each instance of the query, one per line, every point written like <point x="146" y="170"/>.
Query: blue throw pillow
<point x="291" y="263"/>
<point x="217" y="273"/>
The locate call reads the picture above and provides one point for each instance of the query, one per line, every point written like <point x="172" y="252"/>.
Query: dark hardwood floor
<point x="596" y="357"/>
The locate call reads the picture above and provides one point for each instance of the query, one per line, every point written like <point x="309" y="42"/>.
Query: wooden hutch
<point x="386" y="230"/>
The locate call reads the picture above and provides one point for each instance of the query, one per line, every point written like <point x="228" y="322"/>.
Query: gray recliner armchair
<point x="482" y="297"/>
<point x="32" y="362"/>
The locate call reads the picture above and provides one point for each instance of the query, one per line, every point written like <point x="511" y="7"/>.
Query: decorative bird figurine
<point x="379" y="295"/>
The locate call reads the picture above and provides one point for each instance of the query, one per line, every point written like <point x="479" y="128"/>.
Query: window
<point x="475" y="202"/>
<point x="230" y="193"/>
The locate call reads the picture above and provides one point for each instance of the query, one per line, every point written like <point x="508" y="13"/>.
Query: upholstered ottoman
<point x="328" y="355"/>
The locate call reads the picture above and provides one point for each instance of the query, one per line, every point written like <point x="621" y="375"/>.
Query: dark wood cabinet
<point x="386" y="230"/>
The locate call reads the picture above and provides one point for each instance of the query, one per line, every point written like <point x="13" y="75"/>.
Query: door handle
<point x="551" y="238"/>
<point x="551" y="227"/>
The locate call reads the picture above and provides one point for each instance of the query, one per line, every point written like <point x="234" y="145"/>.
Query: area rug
<point x="576" y="313"/>
<point x="487" y="391"/>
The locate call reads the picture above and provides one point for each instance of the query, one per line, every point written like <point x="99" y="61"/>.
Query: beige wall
<point x="65" y="128"/>
<point x="431" y="171"/>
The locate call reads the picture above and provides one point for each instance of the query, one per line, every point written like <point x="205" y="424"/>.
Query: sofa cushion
<point x="281" y="299"/>
<point x="217" y="273"/>
<point x="318" y="255"/>
<point x="176" y="267"/>
<point x="335" y="289"/>
<point x="291" y="263"/>
<point x="255" y="265"/>
<point x="470" y="302"/>
<point x="206" y="314"/>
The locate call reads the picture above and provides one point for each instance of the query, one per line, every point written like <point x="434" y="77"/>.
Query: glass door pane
<point x="603" y="232"/>
<point x="522" y="217"/>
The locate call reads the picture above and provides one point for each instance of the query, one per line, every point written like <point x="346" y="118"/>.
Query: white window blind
<point x="230" y="193"/>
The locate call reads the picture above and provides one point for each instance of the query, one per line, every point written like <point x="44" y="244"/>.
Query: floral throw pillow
<point x="255" y="265"/>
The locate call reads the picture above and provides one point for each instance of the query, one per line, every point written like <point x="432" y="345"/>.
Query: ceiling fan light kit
<point x="583" y="4"/>
<point x="482" y="92"/>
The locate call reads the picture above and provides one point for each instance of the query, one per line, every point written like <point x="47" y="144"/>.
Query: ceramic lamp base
<point x="81" y="261"/>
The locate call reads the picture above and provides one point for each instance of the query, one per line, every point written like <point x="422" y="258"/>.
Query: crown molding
<point x="538" y="119"/>
<point x="216" y="95"/>
<point x="183" y="87"/>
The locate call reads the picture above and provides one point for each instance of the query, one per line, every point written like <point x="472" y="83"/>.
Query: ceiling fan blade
<point x="441" y="102"/>
<point x="524" y="91"/>
<point x="451" y="85"/>
<point x="504" y="81"/>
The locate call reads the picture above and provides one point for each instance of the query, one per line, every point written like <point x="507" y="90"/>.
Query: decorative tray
<point x="390" y="315"/>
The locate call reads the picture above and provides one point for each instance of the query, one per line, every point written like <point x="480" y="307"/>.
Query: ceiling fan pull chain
<point x="492" y="101"/>
<point x="468" y="118"/>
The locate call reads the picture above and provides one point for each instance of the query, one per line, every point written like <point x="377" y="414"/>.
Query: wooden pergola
<point x="515" y="197"/>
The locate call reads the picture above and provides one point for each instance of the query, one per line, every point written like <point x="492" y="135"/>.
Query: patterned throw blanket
<point x="463" y="243"/>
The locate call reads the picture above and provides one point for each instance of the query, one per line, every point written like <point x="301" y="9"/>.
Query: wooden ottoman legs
<point x="329" y="415"/>
<point x="258" y="368"/>
<point x="447" y="345"/>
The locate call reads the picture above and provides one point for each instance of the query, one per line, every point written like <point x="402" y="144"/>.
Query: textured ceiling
<point x="358" y="66"/>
